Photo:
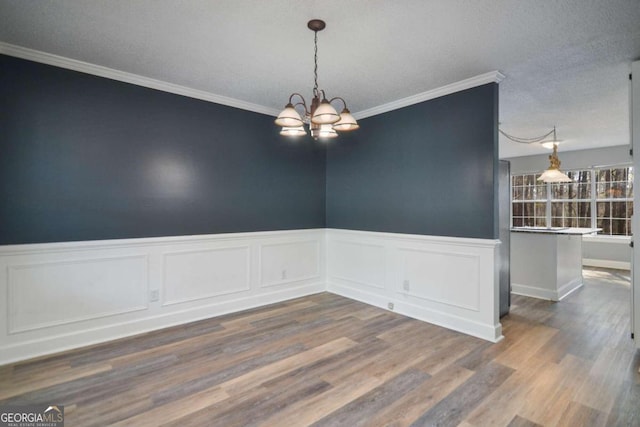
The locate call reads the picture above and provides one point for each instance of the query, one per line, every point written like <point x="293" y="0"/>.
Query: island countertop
<point x="556" y="230"/>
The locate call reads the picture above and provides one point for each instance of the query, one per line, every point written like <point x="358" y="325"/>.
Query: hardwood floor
<point x="325" y="360"/>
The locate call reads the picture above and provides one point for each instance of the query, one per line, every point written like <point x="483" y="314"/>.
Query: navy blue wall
<point x="430" y="168"/>
<point x="82" y="158"/>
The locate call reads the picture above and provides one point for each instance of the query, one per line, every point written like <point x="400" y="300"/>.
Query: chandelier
<point x="323" y="120"/>
<point x="553" y="174"/>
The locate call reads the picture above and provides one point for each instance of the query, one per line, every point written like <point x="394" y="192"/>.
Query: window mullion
<point x="548" y="208"/>
<point x="594" y="213"/>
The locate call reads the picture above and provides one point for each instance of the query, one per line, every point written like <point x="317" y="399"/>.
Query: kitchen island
<point x="547" y="262"/>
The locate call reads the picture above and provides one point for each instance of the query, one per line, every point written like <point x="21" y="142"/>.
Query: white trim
<point x="547" y="294"/>
<point x="435" y="317"/>
<point x="603" y="238"/>
<point x="453" y="255"/>
<point x="432" y="288"/>
<point x="482" y="79"/>
<point x="32" y="248"/>
<point x="315" y="275"/>
<point x="72" y="331"/>
<point x="12" y="330"/>
<point x="136" y="79"/>
<point x="86" y="337"/>
<point x="533" y="292"/>
<point x="159" y="314"/>
<point x="606" y="263"/>
<point x="459" y="241"/>
<point x="110" y="73"/>
<point x="568" y="288"/>
<point x="240" y="290"/>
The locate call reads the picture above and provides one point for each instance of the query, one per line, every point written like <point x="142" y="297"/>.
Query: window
<point x="600" y="197"/>
<point x="529" y="201"/>
<point x="571" y="201"/>
<point x="614" y="200"/>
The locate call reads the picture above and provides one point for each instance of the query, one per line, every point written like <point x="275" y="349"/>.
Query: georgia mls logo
<point x="32" y="416"/>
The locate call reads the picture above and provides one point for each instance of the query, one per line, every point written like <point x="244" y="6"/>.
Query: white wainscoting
<point x="282" y="263"/>
<point x="448" y="281"/>
<point x="67" y="295"/>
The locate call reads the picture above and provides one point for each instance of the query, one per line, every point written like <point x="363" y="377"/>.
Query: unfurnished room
<point x="303" y="213"/>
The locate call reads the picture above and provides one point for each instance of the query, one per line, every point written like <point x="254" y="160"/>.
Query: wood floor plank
<point x="517" y="355"/>
<point x="581" y="415"/>
<point x="553" y="389"/>
<point x="309" y="411"/>
<point x="268" y="372"/>
<point x="364" y="409"/>
<point x="518" y="421"/>
<point x="175" y="410"/>
<point x="327" y="360"/>
<point x="416" y="402"/>
<point x="510" y="396"/>
<point x="17" y="386"/>
<point x="466" y="397"/>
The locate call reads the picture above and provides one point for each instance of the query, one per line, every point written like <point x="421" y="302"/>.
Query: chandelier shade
<point x="325" y="114"/>
<point x="322" y="118"/>
<point x="347" y="122"/>
<point x="293" y="131"/>
<point x="325" y="131"/>
<point x="289" y="117"/>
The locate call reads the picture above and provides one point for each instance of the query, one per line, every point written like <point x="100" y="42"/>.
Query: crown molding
<point x="110" y="73"/>
<point x="482" y="79"/>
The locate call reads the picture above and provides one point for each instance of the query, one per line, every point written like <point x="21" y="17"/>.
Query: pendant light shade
<point x="325" y="114"/>
<point x="327" y="131"/>
<point x="553" y="174"/>
<point x="289" y="117"/>
<point x="293" y="131"/>
<point x="347" y="122"/>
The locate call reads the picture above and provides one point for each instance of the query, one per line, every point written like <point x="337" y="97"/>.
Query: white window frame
<point x="593" y="200"/>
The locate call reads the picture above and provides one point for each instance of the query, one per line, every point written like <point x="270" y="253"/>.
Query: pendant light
<point x="322" y="118"/>
<point x="554" y="174"/>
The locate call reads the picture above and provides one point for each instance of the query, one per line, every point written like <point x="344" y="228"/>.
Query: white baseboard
<point x="605" y="263"/>
<point x="85" y="337"/>
<point x="568" y="288"/>
<point x="98" y="291"/>
<point x="546" y="294"/>
<point x="103" y="290"/>
<point x="447" y="281"/>
<point x="533" y="292"/>
<point x="439" y="318"/>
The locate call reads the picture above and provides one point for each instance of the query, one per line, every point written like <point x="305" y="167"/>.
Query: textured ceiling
<point x="566" y="62"/>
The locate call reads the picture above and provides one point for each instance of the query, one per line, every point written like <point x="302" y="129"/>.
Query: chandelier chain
<point x="315" y="62"/>
<point x="528" y="140"/>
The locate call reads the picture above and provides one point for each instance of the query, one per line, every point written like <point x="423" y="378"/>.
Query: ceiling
<point x="566" y="62"/>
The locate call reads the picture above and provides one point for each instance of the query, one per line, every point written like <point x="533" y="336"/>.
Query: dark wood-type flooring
<point x="325" y="360"/>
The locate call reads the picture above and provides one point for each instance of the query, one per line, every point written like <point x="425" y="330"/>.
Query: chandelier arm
<point x="303" y="102"/>
<point x="304" y="106"/>
<point x="344" y="103"/>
